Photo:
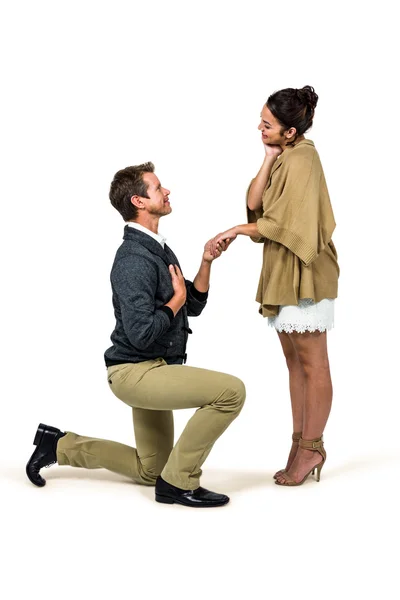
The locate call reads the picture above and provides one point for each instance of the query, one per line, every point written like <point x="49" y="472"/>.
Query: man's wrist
<point x="205" y="262"/>
<point x="176" y="303"/>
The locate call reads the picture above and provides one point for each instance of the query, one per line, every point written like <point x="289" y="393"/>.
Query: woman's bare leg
<point x="297" y="386"/>
<point x="312" y="352"/>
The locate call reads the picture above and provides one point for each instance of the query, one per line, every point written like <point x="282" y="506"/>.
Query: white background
<point x="92" y="87"/>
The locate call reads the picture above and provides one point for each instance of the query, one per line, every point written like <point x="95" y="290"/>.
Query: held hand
<point x="221" y="247"/>
<point x="178" y="282"/>
<point x="272" y="150"/>
<point x="228" y="234"/>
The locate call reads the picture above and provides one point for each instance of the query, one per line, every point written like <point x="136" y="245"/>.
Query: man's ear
<point x="137" y="201"/>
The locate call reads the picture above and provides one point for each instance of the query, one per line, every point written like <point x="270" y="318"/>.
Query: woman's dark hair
<point x="294" y="108"/>
<point x="127" y="183"/>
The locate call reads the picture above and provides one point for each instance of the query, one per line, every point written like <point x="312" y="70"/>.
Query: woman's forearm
<point x="254" y="200"/>
<point x="249" y="229"/>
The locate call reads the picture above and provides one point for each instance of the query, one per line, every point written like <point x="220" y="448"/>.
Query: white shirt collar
<point x="157" y="236"/>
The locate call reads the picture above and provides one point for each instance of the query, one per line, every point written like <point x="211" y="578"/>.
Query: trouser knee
<point x="234" y="395"/>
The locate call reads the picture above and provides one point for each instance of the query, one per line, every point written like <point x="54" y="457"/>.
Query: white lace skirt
<point x="306" y="316"/>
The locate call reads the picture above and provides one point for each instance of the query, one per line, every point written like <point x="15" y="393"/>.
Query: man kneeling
<point x="152" y="301"/>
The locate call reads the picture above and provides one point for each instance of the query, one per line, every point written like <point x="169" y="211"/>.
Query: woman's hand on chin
<point x="272" y="150"/>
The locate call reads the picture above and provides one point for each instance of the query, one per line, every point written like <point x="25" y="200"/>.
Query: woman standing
<point x="289" y="211"/>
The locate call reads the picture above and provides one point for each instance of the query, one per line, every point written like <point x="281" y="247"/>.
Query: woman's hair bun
<point x="308" y="96"/>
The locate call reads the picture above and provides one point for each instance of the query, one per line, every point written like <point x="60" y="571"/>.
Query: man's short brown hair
<point x="127" y="183"/>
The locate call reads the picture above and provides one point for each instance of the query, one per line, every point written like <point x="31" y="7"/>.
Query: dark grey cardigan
<point x="142" y="285"/>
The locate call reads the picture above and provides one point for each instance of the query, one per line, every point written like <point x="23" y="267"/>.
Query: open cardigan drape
<point x="295" y="223"/>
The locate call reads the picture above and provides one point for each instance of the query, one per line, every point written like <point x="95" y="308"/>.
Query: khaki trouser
<point x="153" y="389"/>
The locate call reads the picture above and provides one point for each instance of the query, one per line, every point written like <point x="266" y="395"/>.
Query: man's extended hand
<point x="220" y="247"/>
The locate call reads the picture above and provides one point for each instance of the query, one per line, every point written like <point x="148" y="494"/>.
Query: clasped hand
<point x="214" y="250"/>
<point x="226" y="237"/>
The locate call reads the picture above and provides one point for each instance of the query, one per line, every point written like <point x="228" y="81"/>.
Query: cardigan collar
<point x="139" y="237"/>
<point x="156" y="236"/>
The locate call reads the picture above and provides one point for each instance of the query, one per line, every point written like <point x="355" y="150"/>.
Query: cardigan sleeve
<point x="253" y="216"/>
<point x="195" y="300"/>
<point x="301" y="217"/>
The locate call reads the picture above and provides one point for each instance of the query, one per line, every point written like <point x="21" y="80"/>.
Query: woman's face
<point x="272" y="131"/>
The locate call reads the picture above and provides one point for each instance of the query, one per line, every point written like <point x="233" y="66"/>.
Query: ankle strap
<point x="311" y="444"/>
<point x="296" y="437"/>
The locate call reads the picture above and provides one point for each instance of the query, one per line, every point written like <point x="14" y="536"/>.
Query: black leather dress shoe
<point x="46" y="440"/>
<point x="169" y="494"/>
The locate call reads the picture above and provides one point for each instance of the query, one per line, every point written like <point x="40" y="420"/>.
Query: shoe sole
<point x="40" y="431"/>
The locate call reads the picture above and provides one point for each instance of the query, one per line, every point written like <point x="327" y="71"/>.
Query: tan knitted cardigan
<point x="296" y="225"/>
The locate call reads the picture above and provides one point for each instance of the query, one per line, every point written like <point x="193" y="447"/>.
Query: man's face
<point x="157" y="203"/>
<point x="271" y="130"/>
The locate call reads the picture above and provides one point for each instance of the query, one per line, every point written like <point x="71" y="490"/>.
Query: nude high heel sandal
<point x="296" y="436"/>
<point x="316" y="445"/>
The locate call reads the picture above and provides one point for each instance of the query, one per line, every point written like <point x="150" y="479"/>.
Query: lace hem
<point x="306" y="316"/>
<point x="300" y="328"/>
